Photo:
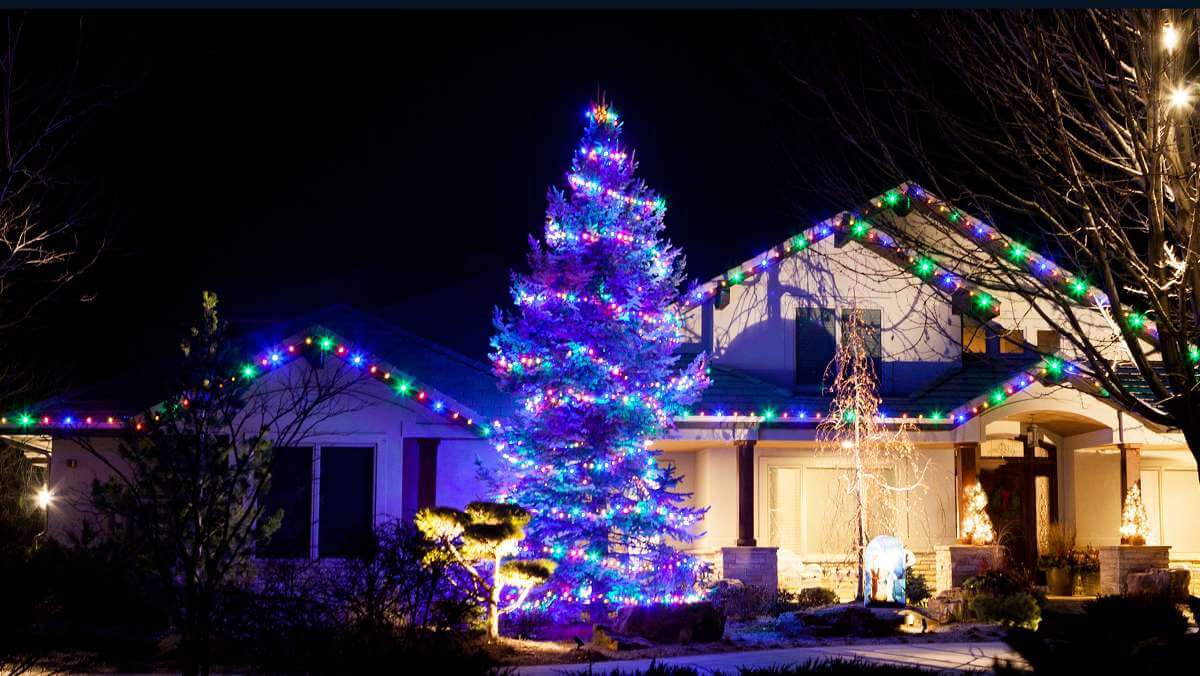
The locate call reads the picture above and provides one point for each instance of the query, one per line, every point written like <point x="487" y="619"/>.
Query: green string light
<point x="1077" y="287"/>
<point x="1054" y="366"/>
<point x="1136" y="320"/>
<point x="983" y="301"/>
<point x="924" y="267"/>
<point x="1018" y="252"/>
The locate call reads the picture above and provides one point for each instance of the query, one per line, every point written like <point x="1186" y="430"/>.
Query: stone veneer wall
<point x="1117" y="562"/>
<point x="840" y="576"/>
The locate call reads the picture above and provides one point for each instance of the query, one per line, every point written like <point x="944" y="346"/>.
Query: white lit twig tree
<point x="882" y="463"/>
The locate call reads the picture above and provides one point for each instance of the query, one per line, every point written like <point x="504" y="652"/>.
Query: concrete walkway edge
<point x="953" y="657"/>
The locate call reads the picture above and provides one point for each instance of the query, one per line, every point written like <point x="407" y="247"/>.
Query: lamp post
<point x="42" y="499"/>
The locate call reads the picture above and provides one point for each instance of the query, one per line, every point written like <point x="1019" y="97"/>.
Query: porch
<point x="1052" y="459"/>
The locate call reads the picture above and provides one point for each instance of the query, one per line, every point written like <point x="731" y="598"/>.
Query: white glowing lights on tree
<point x="886" y="474"/>
<point x="1135" y="524"/>
<point x="976" y="525"/>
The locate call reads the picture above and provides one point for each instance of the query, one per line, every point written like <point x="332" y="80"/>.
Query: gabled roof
<point x="960" y="293"/>
<point x="449" y="384"/>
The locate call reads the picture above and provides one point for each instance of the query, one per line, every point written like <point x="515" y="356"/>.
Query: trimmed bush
<point x="916" y="588"/>
<point x="1011" y="610"/>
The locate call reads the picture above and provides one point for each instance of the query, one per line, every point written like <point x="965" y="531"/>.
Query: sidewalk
<point x="937" y="656"/>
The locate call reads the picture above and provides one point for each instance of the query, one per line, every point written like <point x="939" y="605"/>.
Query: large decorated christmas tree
<point x="589" y="354"/>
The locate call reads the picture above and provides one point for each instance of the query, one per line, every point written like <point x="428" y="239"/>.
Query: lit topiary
<point x="479" y="539"/>
<point x="1135" y="525"/>
<point x="976" y="525"/>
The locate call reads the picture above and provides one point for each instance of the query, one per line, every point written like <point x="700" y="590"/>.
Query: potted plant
<point x="1057" y="560"/>
<point x="1086" y="562"/>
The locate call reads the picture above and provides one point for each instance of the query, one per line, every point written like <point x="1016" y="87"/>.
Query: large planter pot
<point x="1059" y="581"/>
<point x="1089" y="583"/>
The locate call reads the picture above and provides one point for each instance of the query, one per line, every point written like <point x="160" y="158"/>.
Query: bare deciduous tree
<point x="46" y="239"/>
<point x="1078" y="128"/>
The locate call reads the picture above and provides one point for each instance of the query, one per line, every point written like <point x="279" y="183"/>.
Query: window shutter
<point x="816" y="340"/>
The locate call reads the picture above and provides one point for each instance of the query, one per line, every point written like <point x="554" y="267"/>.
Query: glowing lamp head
<point x="43" y="498"/>
<point x="1181" y="97"/>
<point x="1170" y="36"/>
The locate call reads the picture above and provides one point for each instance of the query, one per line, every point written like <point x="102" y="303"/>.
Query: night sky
<point x="293" y="160"/>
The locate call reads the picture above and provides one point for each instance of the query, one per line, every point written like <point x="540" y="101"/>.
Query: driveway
<point x="954" y="657"/>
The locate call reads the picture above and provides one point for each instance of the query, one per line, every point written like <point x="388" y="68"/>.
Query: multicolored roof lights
<point x="319" y="340"/>
<point x="858" y="226"/>
<point x="1072" y="284"/>
<point x="1051" y="370"/>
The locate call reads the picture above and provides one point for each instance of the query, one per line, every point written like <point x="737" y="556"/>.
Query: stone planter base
<point x="756" y="566"/>
<point x="1117" y="562"/>
<point x="955" y="563"/>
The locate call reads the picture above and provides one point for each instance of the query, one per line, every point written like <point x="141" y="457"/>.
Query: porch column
<point x="966" y="460"/>
<point x="745" y="473"/>
<point x="1131" y="469"/>
<point x="753" y="565"/>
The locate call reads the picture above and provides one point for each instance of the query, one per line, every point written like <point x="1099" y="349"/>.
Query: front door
<point x="1020" y="480"/>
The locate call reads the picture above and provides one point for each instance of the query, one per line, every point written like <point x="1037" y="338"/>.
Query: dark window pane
<point x="815" y="344"/>
<point x="1013" y="342"/>
<point x="872" y="321"/>
<point x="1048" y="341"/>
<point x="347" y="499"/>
<point x="291" y="492"/>
<point x="974" y="337"/>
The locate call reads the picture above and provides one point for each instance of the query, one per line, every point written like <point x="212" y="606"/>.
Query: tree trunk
<point x="493" y="609"/>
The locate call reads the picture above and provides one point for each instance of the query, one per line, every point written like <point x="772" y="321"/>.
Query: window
<point x="815" y="344"/>
<point x="346" y="508"/>
<point x="291" y="493"/>
<point x="1013" y="342"/>
<point x="974" y="337"/>
<point x="1048" y="341"/>
<point x="812" y="514"/>
<point x="871" y="321"/>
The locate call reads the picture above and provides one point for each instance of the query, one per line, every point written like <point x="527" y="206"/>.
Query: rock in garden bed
<point x="847" y="619"/>
<point x="692" y="623"/>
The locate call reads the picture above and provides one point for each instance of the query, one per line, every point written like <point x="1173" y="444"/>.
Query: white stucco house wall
<point x="1046" y="452"/>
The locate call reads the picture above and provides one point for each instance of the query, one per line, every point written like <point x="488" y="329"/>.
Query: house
<point x="987" y="384"/>
<point x="969" y="368"/>
<point x="412" y="436"/>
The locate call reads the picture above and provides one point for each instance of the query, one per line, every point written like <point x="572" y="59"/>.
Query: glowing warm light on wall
<point x="43" y="498"/>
